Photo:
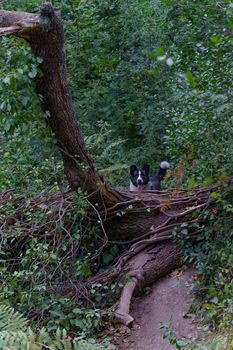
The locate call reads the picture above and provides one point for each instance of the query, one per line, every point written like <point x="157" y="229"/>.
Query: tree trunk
<point x="143" y="270"/>
<point x="136" y="220"/>
<point x="45" y="35"/>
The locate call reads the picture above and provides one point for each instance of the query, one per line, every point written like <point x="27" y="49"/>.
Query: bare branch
<point x="9" y="30"/>
<point x="18" y="23"/>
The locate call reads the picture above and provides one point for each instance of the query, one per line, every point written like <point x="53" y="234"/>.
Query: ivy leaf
<point x="160" y="51"/>
<point x="32" y="73"/>
<point x="150" y="54"/>
<point x="151" y="72"/>
<point x="190" y="78"/>
<point x="215" y="40"/>
<point x="7" y="80"/>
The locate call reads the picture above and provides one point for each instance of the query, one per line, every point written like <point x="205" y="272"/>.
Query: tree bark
<point x="143" y="270"/>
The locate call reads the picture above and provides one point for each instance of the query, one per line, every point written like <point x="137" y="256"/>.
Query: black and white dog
<point x="140" y="177"/>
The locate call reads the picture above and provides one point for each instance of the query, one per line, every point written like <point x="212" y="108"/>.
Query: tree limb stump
<point x="143" y="270"/>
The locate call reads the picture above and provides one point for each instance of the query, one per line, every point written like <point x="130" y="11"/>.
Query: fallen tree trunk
<point x="144" y="222"/>
<point x="143" y="270"/>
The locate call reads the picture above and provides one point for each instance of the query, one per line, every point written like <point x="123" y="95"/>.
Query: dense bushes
<point x="155" y="74"/>
<point x="213" y="258"/>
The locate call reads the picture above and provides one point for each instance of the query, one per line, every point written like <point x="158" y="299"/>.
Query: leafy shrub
<point x="200" y="128"/>
<point x="15" y="334"/>
<point x="48" y="249"/>
<point x="212" y="255"/>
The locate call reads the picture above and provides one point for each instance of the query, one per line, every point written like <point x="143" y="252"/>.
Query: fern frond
<point x="28" y="340"/>
<point x="11" y="320"/>
<point x="15" y="335"/>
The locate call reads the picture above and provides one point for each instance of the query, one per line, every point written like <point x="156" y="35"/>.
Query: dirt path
<point x="169" y="296"/>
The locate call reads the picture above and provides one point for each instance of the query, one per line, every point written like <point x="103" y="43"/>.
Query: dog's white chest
<point x="132" y="188"/>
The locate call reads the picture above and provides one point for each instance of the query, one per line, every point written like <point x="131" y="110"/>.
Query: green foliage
<point x="169" y="335"/>
<point x="11" y="319"/>
<point x="15" y="334"/>
<point x="150" y="80"/>
<point x="113" y="78"/>
<point x="215" y="342"/>
<point x="212" y="254"/>
<point x="26" y="150"/>
<point x="200" y="130"/>
<point x="154" y="74"/>
<point x="213" y="257"/>
<point x="47" y="251"/>
<point x="18" y="68"/>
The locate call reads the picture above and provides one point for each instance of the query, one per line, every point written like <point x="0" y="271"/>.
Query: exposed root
<point x="121" y="315"/>
<point x="143" y="270"/>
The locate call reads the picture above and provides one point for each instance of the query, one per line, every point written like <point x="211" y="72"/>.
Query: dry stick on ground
<point x="144" y="219"/>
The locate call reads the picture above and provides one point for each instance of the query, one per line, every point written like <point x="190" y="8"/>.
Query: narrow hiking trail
<point x="170" y="296"/>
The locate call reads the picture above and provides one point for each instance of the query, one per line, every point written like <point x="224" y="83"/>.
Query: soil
<point x="169" y="297"/>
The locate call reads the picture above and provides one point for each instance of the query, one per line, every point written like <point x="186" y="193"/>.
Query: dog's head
<point x="139" y="177"/>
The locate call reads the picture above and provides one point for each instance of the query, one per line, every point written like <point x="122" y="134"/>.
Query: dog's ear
<point x="132" y="169"/>
<point x="146" y="168"/>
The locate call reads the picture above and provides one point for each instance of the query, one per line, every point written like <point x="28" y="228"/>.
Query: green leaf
<point x="151" y="72"/>
<point x="160" y="51"/>
<point x="7" y="80"/>
<point x="214" y="195"/>
<point x="32" y="73"/>
<point x="77" y="311"/>
<point x="150" y="54"/>
<point x="57" y="312"/>
<point x="191" y="78"/>
<point x="215" y="40"/>
<point x="182" y="342"/>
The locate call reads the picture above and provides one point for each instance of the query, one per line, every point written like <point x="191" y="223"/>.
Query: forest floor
<point x="169" y="297"/>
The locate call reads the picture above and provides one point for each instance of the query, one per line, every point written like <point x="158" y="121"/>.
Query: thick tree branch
<point x="18" y="23"/>
<point x="45" y="35"/>
<point x="143" y="270"/>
